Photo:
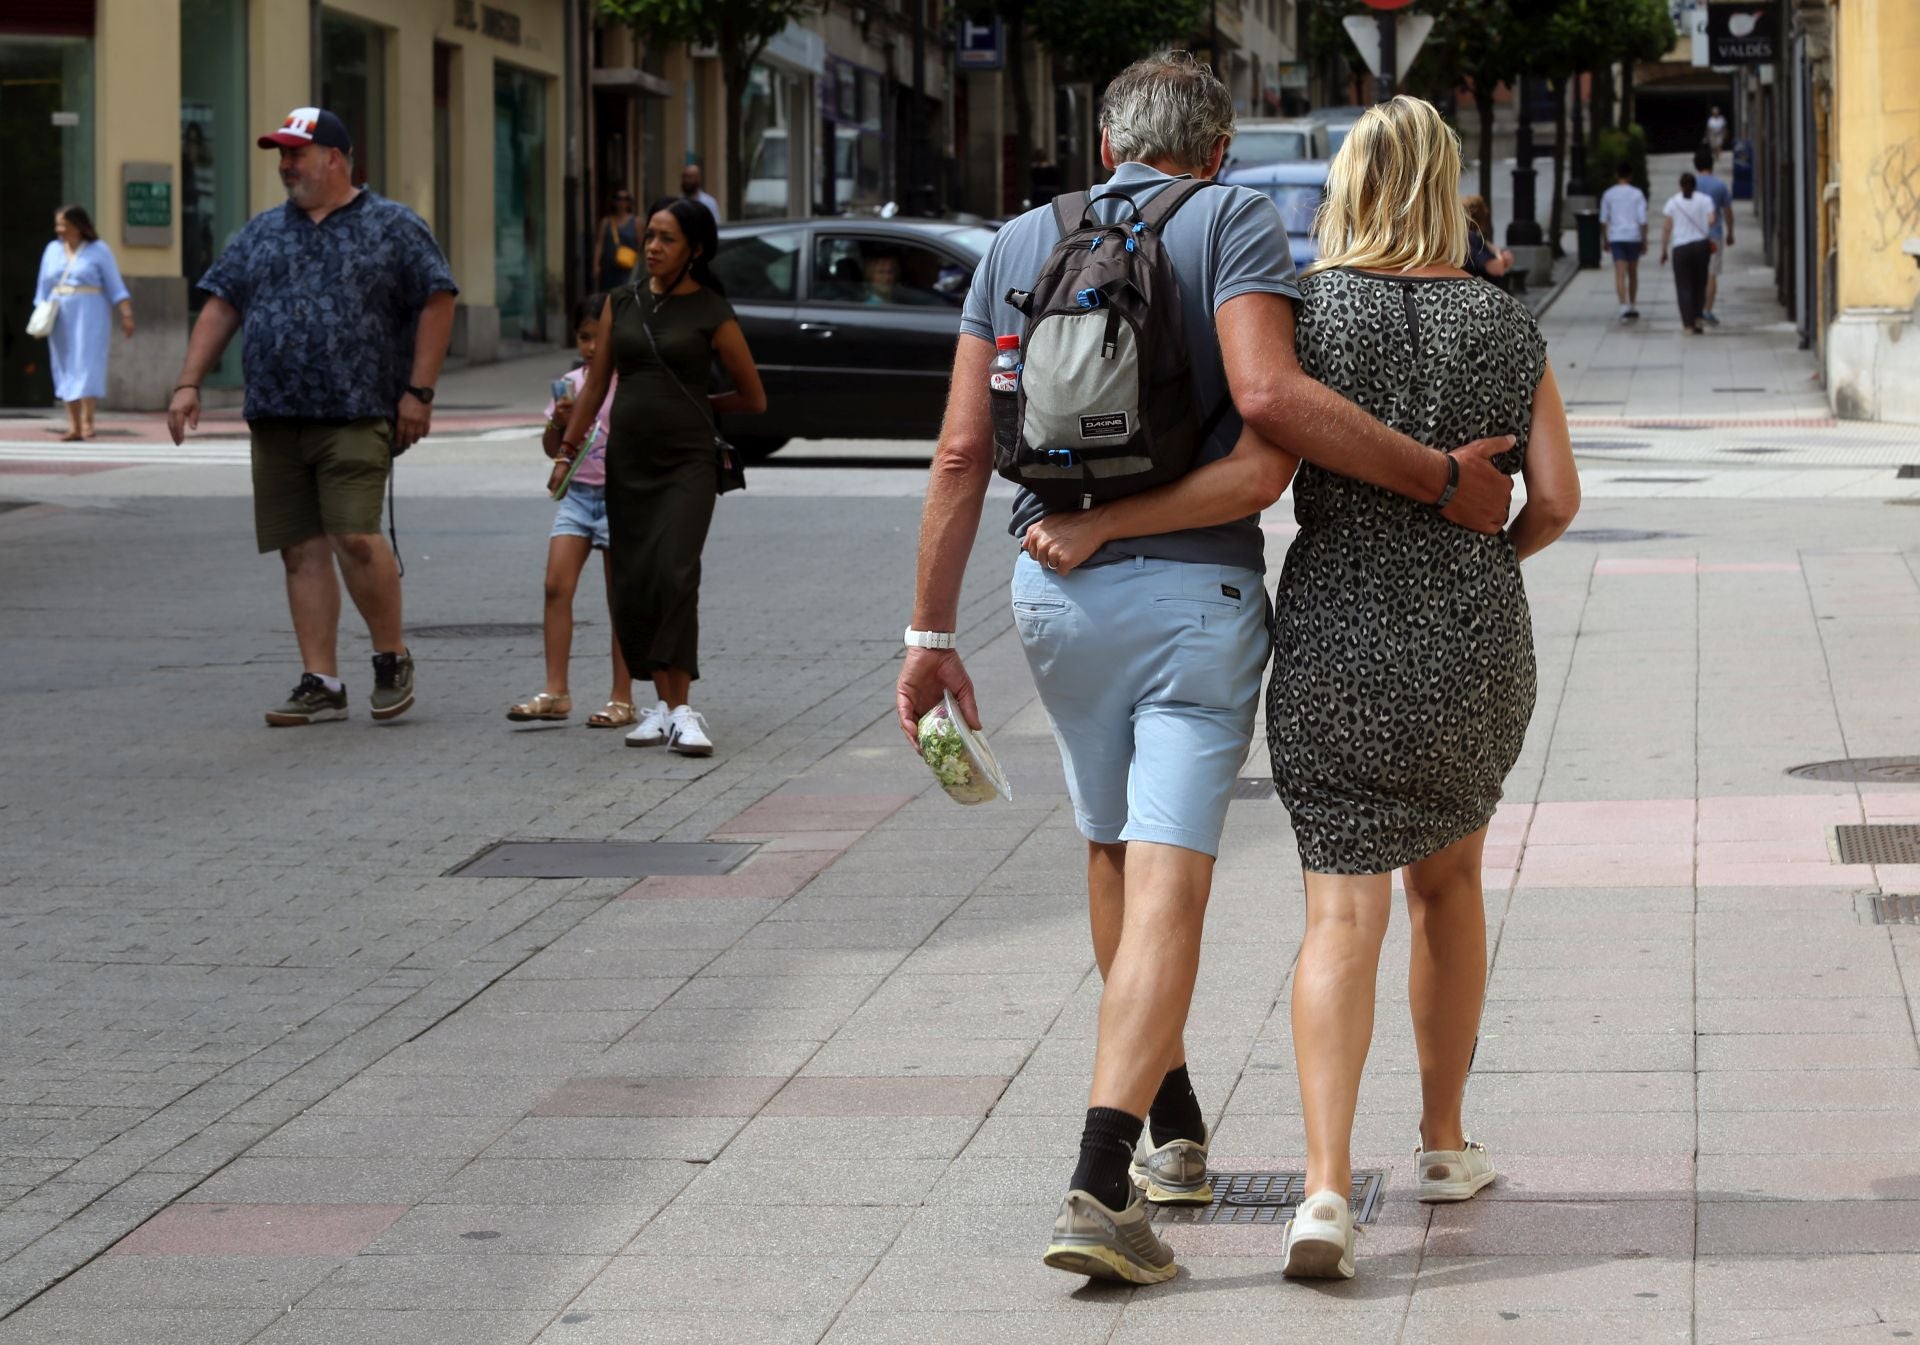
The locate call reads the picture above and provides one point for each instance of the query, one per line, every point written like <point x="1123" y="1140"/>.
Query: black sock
<point x="1175" y="1113"/>
<point x="1106" y="1151"/>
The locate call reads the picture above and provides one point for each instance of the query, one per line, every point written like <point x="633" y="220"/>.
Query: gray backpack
<point x="1106" y="405"/>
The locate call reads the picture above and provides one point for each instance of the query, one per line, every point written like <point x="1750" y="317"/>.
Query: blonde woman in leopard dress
<point x="1403" y="671"/>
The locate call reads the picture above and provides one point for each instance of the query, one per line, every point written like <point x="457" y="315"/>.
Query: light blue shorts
<point x="583" y="513"/>
<point x="1150" y="674"/>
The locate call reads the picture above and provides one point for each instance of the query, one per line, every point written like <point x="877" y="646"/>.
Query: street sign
<point x="1742" y="33"/>
<point x="146" y="204"/>
<point x="1410" y="30"/>
<point x="980" y="44"/>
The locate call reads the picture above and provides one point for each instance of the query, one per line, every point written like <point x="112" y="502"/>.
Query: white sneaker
<point x="1320" y="1239"/>
<point x="687" y="733"/>
<point x="1449" y="1175"/>
<point x="651" y="731"/>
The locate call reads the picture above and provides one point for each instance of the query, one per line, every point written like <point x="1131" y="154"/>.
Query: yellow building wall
<point x="1877" y="150"/>
<point x="280" y="77"/>
<point x="136" y="70"/>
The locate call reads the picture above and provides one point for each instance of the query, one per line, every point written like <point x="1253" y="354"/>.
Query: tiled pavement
<point x="271" y="1076"/>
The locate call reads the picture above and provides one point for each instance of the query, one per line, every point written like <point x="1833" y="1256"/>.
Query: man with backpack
<point x="1153" y="320"/>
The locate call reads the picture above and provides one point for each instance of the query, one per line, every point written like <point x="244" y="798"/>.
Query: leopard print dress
<point x="1403" y="670"/>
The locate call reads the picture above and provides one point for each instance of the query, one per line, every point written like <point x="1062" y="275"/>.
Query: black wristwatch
<point x="422" y="395"/>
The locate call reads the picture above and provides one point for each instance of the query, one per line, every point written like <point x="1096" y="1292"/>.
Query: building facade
<point x="146" y="113"/>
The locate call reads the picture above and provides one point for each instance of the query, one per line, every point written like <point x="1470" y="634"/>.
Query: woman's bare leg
<point x="87" y="405"/>
<point x="622" y="679"/>
<point x="673" y="686"/>
<point x="566" y="556"/>
<point x="1333" y="992"/>
<point x="1447" y="981"/>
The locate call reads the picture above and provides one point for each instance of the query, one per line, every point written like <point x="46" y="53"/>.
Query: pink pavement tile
<point x="1607" y="866"/>
<point x="1613" y="822"/>
<point x="1892" y="807"/>
<point x="1750" y="567"/>
<point x="614" y="1096"/>
<point x="1646" y="565"/>
<point x="1807" y="847"/>
<point x="1899" y="877"/>
<point x="1808" y="873"/>
<point x="1767" y="817"/>
<point x="764" y="876"/>
<point x="258" y="1230"/>
<point x="783" y="813"/>
<point x="1509" y="825"/>
<point x="944" y="1095"/>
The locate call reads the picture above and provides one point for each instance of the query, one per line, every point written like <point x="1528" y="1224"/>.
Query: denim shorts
<point x="1149" y="671"/>
<point x="583" y="513"/>
<point x="1628" y="251"/>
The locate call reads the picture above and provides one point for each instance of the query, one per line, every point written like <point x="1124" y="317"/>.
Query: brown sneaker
<point x="392" y="685"/>
<point x="309" y="703"/>
<point x="1090" y="1239"/>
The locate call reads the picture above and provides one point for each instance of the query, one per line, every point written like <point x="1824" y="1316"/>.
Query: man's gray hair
<point x="1168" y="106"/>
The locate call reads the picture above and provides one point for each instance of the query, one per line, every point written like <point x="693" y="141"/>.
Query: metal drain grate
<point x="1604" y="536"/>
<point x="8" y="506"/>
<point x="481" y="630"/>
<point x="1252" y="787"/>
<point x="1895" y="910"/>
<point x="602" y="859"/>
<point x="1908" y="471"/>
<point x="1759" y="449"/>
<point x="1267" y="1198"/>
<point x="1862" y="770"/>
<point x="1877" y="843"/>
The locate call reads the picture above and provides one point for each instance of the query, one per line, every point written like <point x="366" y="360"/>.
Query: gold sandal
<point x="612" y="715"/>
<point x="546" y="705"/>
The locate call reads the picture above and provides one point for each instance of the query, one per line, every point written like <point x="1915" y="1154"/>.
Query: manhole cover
<point x="1908" y="471"/>
<point x="1604" y="536"/>
<point x="8" y="506"/>
<point x="1895" y="910"/>
<point x="1584" y="444"/>
<point x="1660" y="480"/>
<point x="1252" y="787"/>
<point x="602" y="859"/>
<point x="1862" y="770"/>
<point x="1877" y="843"/>
<point x="1759" y="449"/>
<point x="1739" y="389"/>
<point x="480" y="630"/>
<point x="1267" y="1198"/>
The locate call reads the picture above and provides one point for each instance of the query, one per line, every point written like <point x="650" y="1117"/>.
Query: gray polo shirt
<point x="1226" y="241"/>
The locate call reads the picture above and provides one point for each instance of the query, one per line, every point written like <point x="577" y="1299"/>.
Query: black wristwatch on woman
<point x="424" y="396"/>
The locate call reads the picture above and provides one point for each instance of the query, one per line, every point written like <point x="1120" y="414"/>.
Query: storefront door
<point x="214" y="146"/>
<point x="520" y="202"/>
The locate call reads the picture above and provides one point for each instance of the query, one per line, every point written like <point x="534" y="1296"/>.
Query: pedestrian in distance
<point x="1687" y="236"/>
<point x="81" y="280"/>
<point x="1382" y="771"/>
<point x="692" y="187"/>
<point x="661" y="335"/>
<point x="616" y="242"/>
<point x="1144" y="619"/>
<point x="1483" y="259"/>
<point x="1716" y="130"/>
<point x="579" y="529"/>
<point x="1721" y="236"/>
<point x="1623" y="214"/>
<point x="335" y="390"/>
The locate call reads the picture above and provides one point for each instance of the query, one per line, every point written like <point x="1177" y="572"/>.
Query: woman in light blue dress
<point x="79" y="270"/>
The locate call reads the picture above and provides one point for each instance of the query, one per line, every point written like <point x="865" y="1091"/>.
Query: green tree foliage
<point x="738" y="30"/>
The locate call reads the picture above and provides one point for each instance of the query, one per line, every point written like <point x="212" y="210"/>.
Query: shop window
<point x="353" y="86"/>
<point x="520" y="201"/>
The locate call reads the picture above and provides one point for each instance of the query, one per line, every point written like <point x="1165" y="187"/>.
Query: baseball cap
<point x="310" y="126"/>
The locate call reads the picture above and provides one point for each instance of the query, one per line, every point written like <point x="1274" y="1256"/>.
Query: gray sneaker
<point x="392" y="685"/>
<point x="1173" y="1174"/>
<point x="1090" y="1239"/>
<point x="310" y="703"/>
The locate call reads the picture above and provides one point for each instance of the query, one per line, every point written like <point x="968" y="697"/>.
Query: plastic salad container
<point x="960" y="757"/>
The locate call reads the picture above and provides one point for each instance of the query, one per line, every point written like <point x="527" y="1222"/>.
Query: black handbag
<point x="729" y="469"/>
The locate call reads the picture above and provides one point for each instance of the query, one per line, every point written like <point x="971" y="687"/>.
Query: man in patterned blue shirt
<point x="347" y="307"/>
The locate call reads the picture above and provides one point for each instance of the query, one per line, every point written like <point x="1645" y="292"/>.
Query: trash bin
<point x="1743" y="170"/>
<point x="1587" y="223"/>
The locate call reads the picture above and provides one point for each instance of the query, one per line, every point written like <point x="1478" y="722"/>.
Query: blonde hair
<point x="1393" y="193"/>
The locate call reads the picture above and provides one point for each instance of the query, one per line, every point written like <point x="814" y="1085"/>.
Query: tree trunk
<point x="1577" y="165"/>
<point x="1603" y="113"/>
<point x="735" y="74"/>
<point x="1483" y="109"/>
<point x="1559" y="170"/>
<point x="1017" y="40"/>
<point x="1626" y="94"/>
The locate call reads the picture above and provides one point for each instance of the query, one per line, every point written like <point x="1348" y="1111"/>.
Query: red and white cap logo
<point x="300" y="122"/>
<point x="309" y="126"/>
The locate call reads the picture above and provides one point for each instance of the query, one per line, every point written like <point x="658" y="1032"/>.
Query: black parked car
<point x="852" y="322"/>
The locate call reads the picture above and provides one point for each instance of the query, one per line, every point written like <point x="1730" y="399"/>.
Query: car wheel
<point x="758" y="447"/>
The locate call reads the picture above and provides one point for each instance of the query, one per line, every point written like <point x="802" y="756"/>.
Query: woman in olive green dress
<point x="661" y="334"/>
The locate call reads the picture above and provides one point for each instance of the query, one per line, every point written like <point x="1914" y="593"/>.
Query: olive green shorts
<point x="314" y="477"/>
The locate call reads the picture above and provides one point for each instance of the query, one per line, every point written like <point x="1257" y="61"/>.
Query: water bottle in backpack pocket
<point x="1003" y="387"/>
<point x="1104" y="402"/>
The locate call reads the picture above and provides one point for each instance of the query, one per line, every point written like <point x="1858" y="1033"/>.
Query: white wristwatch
<point x="929" y="639"/>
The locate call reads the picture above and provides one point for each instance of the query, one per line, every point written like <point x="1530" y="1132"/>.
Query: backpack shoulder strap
<point x="1069" y="210"/>
<point x="1166" y="201"/>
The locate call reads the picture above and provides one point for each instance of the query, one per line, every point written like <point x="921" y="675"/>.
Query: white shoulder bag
<point x="47" y="311"/>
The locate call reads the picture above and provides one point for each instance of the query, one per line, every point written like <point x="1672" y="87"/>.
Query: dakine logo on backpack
<point x="1106" y="405"/>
